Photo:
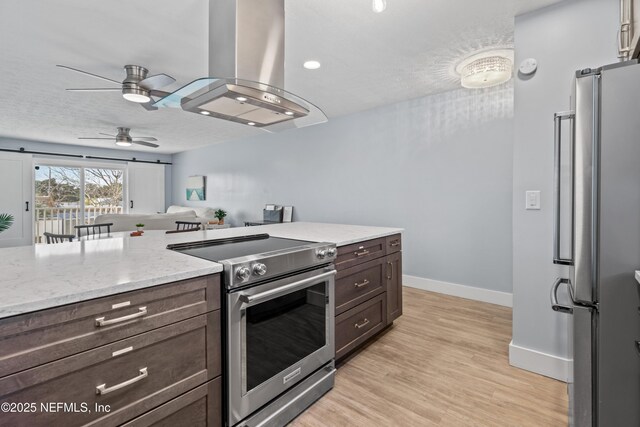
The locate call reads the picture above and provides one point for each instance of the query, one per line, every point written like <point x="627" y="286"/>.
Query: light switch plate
<point x="532" y="200"/>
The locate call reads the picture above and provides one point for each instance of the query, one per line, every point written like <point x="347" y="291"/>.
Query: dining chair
<point x="186" y="225"/>
<point x="57" y="238"/>
<point x="93" y="229"/>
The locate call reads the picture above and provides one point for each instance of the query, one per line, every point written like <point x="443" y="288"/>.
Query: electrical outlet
<point x="532" y="200"/>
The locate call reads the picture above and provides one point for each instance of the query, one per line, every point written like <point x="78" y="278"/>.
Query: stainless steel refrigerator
<point x="597" y="235"/>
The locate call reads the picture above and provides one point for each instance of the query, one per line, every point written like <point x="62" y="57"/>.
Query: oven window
<point x="283" y="331"/>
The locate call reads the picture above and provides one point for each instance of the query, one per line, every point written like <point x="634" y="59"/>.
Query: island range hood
<point x="246" y="44"/>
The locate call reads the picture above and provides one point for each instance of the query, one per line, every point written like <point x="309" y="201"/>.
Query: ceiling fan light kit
<point x="132" y="94"/>
<point x="123" y="143"/>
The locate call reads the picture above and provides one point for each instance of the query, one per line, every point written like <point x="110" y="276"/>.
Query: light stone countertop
<point x="44" y="276"/>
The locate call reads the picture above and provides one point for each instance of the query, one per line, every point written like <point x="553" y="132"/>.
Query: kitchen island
<point x="44" y="276"/>
<point x="83" y="322"/>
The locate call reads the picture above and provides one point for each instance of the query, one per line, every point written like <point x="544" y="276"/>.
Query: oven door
<point x="278" y="333"/>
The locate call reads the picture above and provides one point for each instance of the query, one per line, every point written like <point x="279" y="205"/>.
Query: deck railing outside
<point x="62" y="220"/>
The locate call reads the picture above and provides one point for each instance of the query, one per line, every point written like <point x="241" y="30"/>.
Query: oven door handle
<point x="282" y="290"/>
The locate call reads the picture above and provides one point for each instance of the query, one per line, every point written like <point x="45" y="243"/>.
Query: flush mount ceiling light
<point x="379" y="6"/>
<point x="311" y="65"/>
<point x="486" y="69"/>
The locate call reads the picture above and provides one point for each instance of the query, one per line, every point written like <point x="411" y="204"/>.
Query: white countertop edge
<point x="320" y="232"/>
<point x="354" y="240"/>
<point x="71" y="298"/>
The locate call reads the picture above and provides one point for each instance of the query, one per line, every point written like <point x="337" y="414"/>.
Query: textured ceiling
<point x="367" y="59"/>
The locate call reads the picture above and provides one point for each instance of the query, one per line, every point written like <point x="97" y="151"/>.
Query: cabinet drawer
<point x="357" y="325"/>
<point x="394" y="243"/>
<point x="357" y="253"/>
<point x="201" y="407"/>
<point x="130" y="377"/>
<point x="358" y="284"/>
<point x="33" y="339"/>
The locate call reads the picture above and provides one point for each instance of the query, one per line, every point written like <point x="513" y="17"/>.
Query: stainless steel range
<point x="279" y="309"/>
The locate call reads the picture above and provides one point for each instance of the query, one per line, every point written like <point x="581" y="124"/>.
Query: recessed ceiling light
<point x="288" y="113"/>
<point x="251" y="124"/>
<point x="205" y="113"/>
<point x="241" y="98"/>
<point x="123" y="143"/>
<point x="311" y="65"/>
<point x="136" y="97"/>
<point x="379" y="5"/>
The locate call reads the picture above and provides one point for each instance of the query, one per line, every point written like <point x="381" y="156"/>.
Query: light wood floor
<point x="443" y="363"/>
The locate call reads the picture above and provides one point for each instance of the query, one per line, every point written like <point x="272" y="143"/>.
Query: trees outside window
<point x="67" y="196"/>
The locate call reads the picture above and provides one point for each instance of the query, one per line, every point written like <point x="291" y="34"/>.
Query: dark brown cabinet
<point x="394" y="286"/>
<point x="200" y="407"/>
<point x="368" y="290"/>
<point x="114" y="359"/>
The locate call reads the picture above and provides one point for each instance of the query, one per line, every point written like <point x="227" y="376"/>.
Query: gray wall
<point x="563" y="38"/>
<point x="438" y="166"/>
<point x="12" y="143"/>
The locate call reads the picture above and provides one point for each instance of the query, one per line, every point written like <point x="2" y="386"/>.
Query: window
<point x="69" y="195"/>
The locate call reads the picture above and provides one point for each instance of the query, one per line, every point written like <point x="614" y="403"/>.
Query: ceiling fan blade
<point x="146" y="144"/>
<point x="94" y="138"/>
<point x="156" y="82"/>
<point x="149" y="106"/>
<point x="106" y="134"/>
<point x="90" y="74"/>
<point x="95" y="89"/>
<point x="159" y="93"/>
<point x="144" y="138"/>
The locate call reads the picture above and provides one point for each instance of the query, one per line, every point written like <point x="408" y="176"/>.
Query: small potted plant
<point x="140" y="227"/>
<point x="220" y="214"/>
<point x="6" y="220"/>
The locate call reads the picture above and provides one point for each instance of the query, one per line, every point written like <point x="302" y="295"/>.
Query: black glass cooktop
<point x="235" y="247"/>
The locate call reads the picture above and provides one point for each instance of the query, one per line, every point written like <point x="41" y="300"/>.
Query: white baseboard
<point x="540" y="363"/>
<point x="463" y="291"/>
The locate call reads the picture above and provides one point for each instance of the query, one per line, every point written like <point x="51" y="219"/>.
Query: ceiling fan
<point x="124" y="139"/>
<point x="136" y="87"/>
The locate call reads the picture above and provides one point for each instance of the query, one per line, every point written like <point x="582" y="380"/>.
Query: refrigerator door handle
<point x="560" y="308"/>
<point x="557" y="148"/>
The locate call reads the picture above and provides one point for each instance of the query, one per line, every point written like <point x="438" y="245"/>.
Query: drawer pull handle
<point x="362" y="324"/>
<point x="142" y="311"/>
<point x="390" y="276"/>
<point x="364" y="283"/>
<point x="103" y="389"/>
<point x="395" y="243"/>
<point x="362" y="253"/>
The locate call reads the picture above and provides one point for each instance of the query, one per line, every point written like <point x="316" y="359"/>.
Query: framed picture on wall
<point x="287" y="213"/>
<point x="196" y="188"/>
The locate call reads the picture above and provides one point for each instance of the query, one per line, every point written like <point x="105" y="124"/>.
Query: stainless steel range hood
<point x="246" y="44"/>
